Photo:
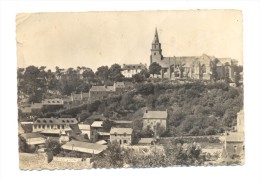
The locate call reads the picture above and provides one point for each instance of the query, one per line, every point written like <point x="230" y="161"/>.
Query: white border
<point x="8" y="118"/>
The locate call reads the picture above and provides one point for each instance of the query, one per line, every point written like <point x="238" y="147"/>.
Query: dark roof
<point x="155" y="115"/>
<point x="52" y="101"/>
<point x="97" y="117"/>
<point x="133" y="66"/>
<point x="121" y="130"/>
<point x="56" y="121"/>
<point x="75" y="128"/>
<point x="32" y="135"/>
<point x="102" y="88"/>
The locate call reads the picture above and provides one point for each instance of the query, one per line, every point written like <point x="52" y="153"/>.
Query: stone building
<point x="154" y="119"/>
<point x="121" y="135"/>
<point x="191" y="67"/>
<point x="53" y="125"/>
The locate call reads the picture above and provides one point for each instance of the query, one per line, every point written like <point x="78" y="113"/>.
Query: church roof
<point x="156" y="37"/>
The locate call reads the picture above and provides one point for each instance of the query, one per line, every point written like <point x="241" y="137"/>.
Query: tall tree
<point x="115" y="73"/>
<point x="102" y="73"/>
<point x="155" y="68"/>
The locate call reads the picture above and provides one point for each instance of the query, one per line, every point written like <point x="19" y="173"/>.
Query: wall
<point x="153" y="123"/>
<point x="121" y="137"/>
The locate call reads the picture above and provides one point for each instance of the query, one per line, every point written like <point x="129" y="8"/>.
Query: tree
<point x="214" y="75"/>
<point x="102" y="73"/>
<point x="107" y="124"/>
<point x="155" y="68"/>
<point x="114" y="73"/>
<point x="88" y="74"/>
<point x="138" y="78"/>
<point x="53" y="146"/>
<point x="115" y="155"/>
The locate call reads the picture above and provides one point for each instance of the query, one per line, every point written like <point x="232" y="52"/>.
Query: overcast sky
<point x="94" y="39"/>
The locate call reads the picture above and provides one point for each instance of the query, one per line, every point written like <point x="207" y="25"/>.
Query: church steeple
<point x="156" y="51"/>
<point x="156" y="37"/>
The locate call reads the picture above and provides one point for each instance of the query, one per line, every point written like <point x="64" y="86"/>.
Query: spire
<point x="156" y="38"/>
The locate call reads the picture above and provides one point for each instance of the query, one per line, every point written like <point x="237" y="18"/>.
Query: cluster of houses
<point x="89" y="138"/>
<point x="93" y="138"/>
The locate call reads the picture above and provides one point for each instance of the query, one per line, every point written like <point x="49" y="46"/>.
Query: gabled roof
<point x="155" y="115"/>
<point x="85" y="147"/>
<point x="121" y="130"/>
<point x="84" y="127"/>
<point x="55" y="121"/>
<point x="52" y="101"/>
<point x="97" y="124"/>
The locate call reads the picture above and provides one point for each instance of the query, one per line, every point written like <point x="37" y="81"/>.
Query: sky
<point x="94" y="39"/>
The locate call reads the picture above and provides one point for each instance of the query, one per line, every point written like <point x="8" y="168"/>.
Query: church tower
<point x="156" y="51"/>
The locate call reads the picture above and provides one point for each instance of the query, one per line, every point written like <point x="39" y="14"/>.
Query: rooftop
<point x="121" y="130"/>
<point x="235" y="137"/>
<point x="97" y="124"/>
<point x="133" y="66"/>
<point x="56" y="121"/>
<point x="85" y="147"/>
<point x="102" y="88"/>
<point x="155" y="114"/>
<point x="32" y="135"/>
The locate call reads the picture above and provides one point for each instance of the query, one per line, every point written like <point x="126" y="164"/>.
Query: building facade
<point x="121" y="135"/>
<point x="190" y="67"/>
<point x="131" y="69"/>
<point x="53" y="125"/>
<point x="155" y="119"/>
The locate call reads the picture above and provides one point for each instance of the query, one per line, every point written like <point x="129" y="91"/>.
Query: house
<point x="33" y="138"/>
<point x="79" y="98"/>
<point x="123" y="123"/>
<point x="154" y="119"/>
<point x="234" y="141"/>
<point x="53" y="125"/>
<point x="87" y="130"/>
<point x="52" y="102"/>
<point x="84" y="147"/>
<point x="131" y="69"/>
<point x="124" y="136"/>
<point x="100" y="92"/>
<point x="119" y="87"/>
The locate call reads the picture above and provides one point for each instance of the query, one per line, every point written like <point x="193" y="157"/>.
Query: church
<point x="190" y="67"/>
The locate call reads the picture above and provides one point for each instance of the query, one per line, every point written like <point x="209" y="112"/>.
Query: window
<point x="62" y="126"/>
<point x="125" y="141"/>
<point x="51" y="126"/>
<point x="48" y="126"/>
<point x="35" y="126"/>
<point x="115" y="134"/>
<point x="125" y="134"/>
<point x="58" y="126"/>
<point x="235" y="149"/>
<point x="154" y="53"/>
<point x="43" y="126"/>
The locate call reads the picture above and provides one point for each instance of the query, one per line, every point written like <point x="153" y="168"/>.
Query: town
<point x="175" y="111"/>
